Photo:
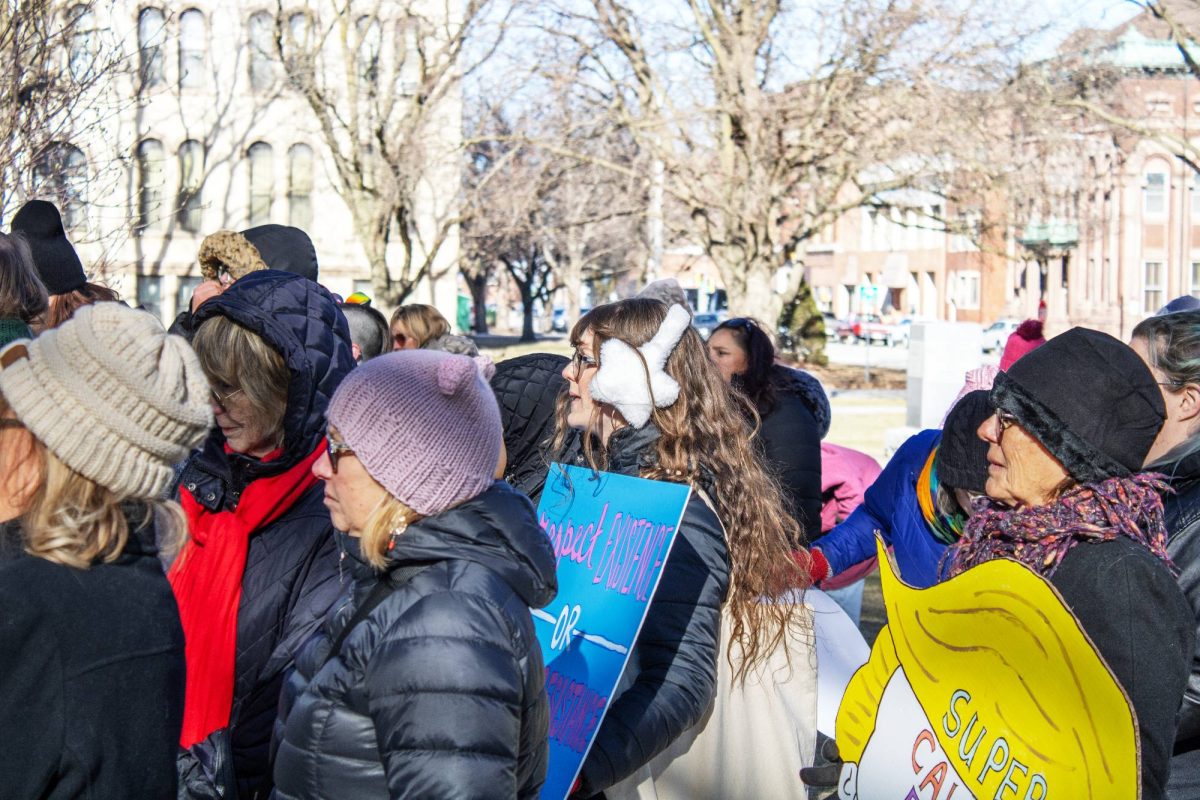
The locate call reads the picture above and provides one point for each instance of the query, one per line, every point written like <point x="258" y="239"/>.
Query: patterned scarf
<point x="1040" y="537"/>
<point x="946" y="529"/>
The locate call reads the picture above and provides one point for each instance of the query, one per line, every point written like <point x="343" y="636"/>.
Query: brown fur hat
<point x="228" y="251"/>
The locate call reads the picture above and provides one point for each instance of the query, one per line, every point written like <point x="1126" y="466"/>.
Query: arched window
<point x="299" y="49"/>
<point x="82" y="25"/>
<point x="262" y="182"/>
<point x="300" y="186"/>
<point x="370" y="42"/>
<point x="192" y="35"/>
<point x="151" y="180"/>
<point x="60" y="175"/>
<point x="191" y="185"/>
<point x="1154" y="190"/>
<point x="151" y="31"/>
<point x="262" y="50"/>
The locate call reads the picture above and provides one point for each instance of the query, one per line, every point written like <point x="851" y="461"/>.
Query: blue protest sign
<point x="611" y="535"/>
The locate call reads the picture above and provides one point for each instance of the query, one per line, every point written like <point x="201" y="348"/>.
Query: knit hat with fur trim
<point x="424" y="424"/>
<point x="1089" y="399"/>
<point x="56" y="261"/>
<point x="265" y="247"/>
<point x="112" y="395"/>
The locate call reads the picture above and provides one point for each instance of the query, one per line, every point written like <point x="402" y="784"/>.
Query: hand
<point x="206" y="290"/>
<point x="826" y="775"/>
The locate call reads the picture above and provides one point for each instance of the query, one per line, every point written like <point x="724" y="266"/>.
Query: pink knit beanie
<point x="424" y="424"/>
<point x="1025" y="339"/>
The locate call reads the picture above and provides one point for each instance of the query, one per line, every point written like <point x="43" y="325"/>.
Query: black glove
<point x="826" y="775"/>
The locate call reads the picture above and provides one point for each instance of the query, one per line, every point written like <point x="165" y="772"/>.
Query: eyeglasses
<point x="1005" y="419"/>
<point x="581" y="361"/>
<point x="11" y="423"/>
<point x="223" y="399"/>
<point x="336" y="450"/>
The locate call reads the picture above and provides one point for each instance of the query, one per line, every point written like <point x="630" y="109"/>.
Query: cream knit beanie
<point x="112" y="395"/>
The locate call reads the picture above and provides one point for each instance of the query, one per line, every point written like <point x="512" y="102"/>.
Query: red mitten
<point x="818" y="566"/>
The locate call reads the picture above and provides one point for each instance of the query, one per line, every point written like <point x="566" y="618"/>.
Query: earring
<point x="397" y="532"/>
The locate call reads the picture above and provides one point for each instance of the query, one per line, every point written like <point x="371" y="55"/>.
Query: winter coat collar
<point x="497" y="529"/>
<point x="808" y="389"/>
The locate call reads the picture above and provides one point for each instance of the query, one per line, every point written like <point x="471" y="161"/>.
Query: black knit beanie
<point x="962" y="455"/>
<point x="56" y="261"/>
<point x="1089" y="399"/>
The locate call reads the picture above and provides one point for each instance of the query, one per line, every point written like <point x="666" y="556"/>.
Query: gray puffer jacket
<point x="439" y="691"/>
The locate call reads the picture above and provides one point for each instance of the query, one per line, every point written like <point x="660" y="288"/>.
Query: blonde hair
<point x="425" y="323"/>
<point x="388" y="518"/>
<point x="234" y="356"/>
<point x="70" y="519"/>
<point x="705" y="439"/>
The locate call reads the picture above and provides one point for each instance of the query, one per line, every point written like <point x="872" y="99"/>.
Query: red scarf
<point x="207" y="580"/>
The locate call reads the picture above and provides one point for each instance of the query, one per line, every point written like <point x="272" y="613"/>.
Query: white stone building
<point x="195" y="128"/>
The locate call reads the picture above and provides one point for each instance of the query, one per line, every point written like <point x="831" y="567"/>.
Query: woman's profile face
<point x="578" y="373"/>
<point x="727" y="354"/>
<point x="351" y="494"/>
<point x="240" y="422"/>
<point x="1021" y="472"/>
<point x="402" y="338"/>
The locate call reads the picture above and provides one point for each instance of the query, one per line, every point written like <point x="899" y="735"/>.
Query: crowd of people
<point x="288" y="549"/>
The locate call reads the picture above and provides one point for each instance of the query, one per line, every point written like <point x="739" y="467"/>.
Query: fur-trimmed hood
<point x="278" y="247"/>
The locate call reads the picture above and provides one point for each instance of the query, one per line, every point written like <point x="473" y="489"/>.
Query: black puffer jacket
<point x="671" y="677"/>
<point x="291" y="575"/>
<point x="1183" y="544"/>
<point x="91" y="677"/>
<point x="438" y="692"/>
<point x="527" y="389"/>
<point x="791" y="443"/>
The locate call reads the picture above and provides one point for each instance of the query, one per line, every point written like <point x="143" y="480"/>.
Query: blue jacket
<point x="890" y="507"/>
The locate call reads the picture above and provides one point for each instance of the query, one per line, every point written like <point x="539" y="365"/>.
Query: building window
<point x="151" y="30"/>
<point x="1196" y="197"/>
<point x="1152" y="292"/>
<point x="151" y="179"/>
<point x="192" y="36"/>
<point x="967" y="295"/>
<point x="191" y="185"/>
<point x="1154" y="193"/>
<point x="149" y="294"/>
<point x="183" y="294"/>
<point x="262" y="182"/>
<point x="300" y="186"/>
<point x="370" y="42"/>
<point x="82" y="24"/>
<point x="60" y="175"/>
<point x="1195" y="285"/>
<point x="262" y="48"/>
<point x="299" y="50"/>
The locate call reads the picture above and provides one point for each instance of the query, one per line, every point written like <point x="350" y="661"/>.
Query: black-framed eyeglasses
<point x="336" y="450"/>
<point x="1005" y="419"/>
<point x="11" y="423"/>
<point x="581" y="360"/>
<point x="222" y="398"/>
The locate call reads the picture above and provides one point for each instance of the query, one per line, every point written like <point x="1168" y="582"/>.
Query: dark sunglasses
<point x="336" y="450"/>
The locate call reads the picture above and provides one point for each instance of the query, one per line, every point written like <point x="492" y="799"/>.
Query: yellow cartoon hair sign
<point x="984" y="686"/>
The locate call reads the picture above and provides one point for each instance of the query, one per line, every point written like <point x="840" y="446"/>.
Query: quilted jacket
<point x="791" y="443"/>
<point x="527" y="388"/>
<point x="438" y="692"/>
<point x="291" y="575"/>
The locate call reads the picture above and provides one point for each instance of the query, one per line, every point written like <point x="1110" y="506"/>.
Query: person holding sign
<point x="429" y="683"/>
<point x="651" y="404"/>
<point x="1074" y="422"/>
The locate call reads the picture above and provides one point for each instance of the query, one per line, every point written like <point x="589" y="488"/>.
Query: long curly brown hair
<point x="705" y="440"/>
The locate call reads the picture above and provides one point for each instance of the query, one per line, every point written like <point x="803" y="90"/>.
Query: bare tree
<point x="771" y="121"/>
<point x="384" y="81"/>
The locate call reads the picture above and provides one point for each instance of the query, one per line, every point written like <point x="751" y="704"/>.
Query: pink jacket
<point x="845" y="475"/>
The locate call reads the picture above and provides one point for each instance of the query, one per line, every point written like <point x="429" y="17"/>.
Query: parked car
<point x="996" y="334"/>
<point x="558" y="322"/>
<point x="871" y="328"/>
<point x="704" y="322"/>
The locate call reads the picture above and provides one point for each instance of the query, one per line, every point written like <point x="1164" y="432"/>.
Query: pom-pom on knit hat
<point x="112" y="395"/>
<point x="1025" y="339"/>
<point x="56" y="261"/>
<point x="424" y="424"/>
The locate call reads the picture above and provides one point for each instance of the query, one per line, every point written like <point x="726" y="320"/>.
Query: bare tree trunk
<point x="478" y="287"/>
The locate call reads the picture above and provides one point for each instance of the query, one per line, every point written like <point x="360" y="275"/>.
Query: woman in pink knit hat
<point x="1027" y="337"/>
<point x="429" y="682"/>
